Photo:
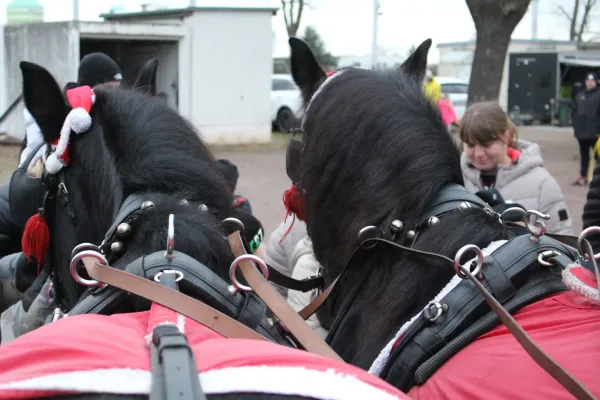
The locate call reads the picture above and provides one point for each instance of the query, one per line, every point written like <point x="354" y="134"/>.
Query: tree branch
<point x="589" y="5"/>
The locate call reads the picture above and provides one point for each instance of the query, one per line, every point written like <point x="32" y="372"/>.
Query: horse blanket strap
<point x="287" y="316"/>
<point x="505" y="270"/>
<point x="170" y="298"/>
<point x="174" y="369"/>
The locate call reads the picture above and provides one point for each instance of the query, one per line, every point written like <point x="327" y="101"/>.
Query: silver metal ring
<point x="436" y="307"/>
<point x="170" y="238"/>
<point x="75" y="261"/>
<point x="84" y="246"/>
<point x="169" y="271"/>
<point x="591" y="229"/>
<point x="237" y="261"/>
<point x="538" y="228"/>
<point x="459" y="255"/>
<point x="230" y="225"/>
<point x="547" y="254"/>
<point x="365" y="234"/>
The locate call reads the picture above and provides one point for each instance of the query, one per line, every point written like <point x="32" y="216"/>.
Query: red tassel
<point x="36" y="239"/>
<point x="293" y="200"/>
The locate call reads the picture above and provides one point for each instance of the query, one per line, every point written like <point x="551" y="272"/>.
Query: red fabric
<point x="81" y="97"/>
<point x="78" y="97"/>
<point x="328" y="74"/>
<point x="90" y="342"/>
<point x="495" y="366"/>
<point x="514" y="154"/>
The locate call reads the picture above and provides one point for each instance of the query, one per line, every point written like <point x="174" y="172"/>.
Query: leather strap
<point x="288" y="317"/>
<point x="303" y="285"/>
<point x="170" y="298"/>
<point x="562" y="376"/>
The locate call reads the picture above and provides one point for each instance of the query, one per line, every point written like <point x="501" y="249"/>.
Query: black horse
<point x="135" y="145"/>
<point x="389" y="218"/>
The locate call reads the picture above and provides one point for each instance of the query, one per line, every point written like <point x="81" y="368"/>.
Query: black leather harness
<point x="513" y="274"/>
<point x="515" y="278"/>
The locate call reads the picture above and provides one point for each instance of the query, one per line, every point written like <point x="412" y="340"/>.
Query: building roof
<point x="181" y="12"/>
<point x="521" y="41"/>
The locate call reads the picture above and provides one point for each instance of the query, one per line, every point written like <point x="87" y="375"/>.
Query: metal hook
<point x="582" y="236"/>
<point x="170" y="253"/>
<point x="537" y="228"/>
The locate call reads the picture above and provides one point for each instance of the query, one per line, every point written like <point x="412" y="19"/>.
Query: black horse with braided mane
<point x="128" y="182"/>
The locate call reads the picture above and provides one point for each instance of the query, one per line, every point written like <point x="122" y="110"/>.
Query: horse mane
<point x="376" y="150"/>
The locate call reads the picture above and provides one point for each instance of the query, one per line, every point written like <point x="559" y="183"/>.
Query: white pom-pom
<point x="80" y="120"/>
<point x="53" y="164"/>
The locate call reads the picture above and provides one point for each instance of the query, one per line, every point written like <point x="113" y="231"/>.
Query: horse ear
<point x="416" y="64"/>
<point x="43" y="99"/>
<point x="146" y="79"/>
<point x="306" y="71"/>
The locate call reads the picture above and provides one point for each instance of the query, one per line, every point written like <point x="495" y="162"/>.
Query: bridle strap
<point x="314" y="305"/>
<point x="170" y="298"/>
<point x="277" y="304"/>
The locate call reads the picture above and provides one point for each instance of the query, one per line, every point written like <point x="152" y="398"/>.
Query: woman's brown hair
<point x="484" y="123"/>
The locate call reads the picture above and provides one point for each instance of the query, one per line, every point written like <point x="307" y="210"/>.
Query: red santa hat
<point x="78" y="120"/>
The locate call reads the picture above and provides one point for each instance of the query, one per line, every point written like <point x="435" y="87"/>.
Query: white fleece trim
<point x="384" y="355"/>
<point x="298" y="381"/>
<point x="575" y="284"/>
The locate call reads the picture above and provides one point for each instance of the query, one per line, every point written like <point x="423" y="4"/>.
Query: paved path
<point x="263" y="178"/>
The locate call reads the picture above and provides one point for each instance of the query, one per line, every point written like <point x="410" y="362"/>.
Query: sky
<point x="348" y="30"/>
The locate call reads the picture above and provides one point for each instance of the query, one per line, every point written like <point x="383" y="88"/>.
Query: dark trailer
<point x="541" y="86"/>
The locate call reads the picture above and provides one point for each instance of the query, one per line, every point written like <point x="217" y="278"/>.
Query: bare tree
<point x="578" y="22"/>
<point x="495" y="21"/>
<point x="292" y="14"/>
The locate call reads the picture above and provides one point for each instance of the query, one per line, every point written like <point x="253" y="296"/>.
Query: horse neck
<point x="399" y="285"/>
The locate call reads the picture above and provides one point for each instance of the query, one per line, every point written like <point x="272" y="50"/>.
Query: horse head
<point x="375" y="152"/>
<point x="134" y="145"/>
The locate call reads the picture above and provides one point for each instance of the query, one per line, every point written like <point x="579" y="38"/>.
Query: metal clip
<point x="170" y="253"/>
<point x="547" y="255"/>
<point x="537" y="228"/>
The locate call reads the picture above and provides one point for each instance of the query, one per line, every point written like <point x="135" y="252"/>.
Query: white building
<point x="456" y="58"/>
<point x="215" y="63"/>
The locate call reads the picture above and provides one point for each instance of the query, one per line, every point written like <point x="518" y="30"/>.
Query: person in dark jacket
<point x="586" y="123"/>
